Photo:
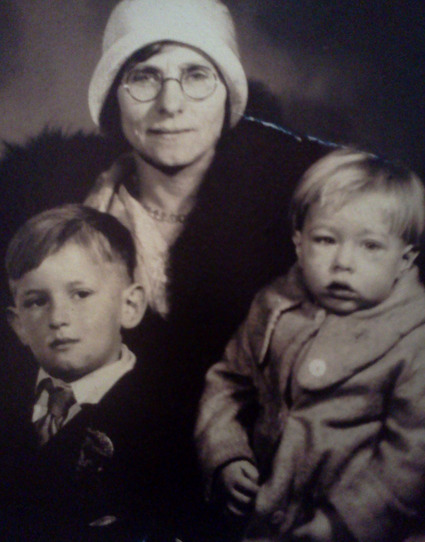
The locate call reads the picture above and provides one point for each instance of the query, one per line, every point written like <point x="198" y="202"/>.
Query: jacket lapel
<point x="271" y="302"/>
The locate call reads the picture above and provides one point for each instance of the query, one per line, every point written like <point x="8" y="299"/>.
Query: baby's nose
<point x="344" y="258"/>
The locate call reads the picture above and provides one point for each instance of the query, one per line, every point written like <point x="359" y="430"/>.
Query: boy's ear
<point x="16" y="324"/>
<point x="409" y="256"/>
<point x="296" y="239"/>
<point x="133" y="307"/>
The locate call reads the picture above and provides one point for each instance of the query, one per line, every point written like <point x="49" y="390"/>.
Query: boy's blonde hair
<point x="347" y="173"/>
<point x="46" y="233"/>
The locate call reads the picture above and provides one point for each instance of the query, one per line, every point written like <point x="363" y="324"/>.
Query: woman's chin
<point x="172" y="158"/>
<point x="173" y="151"/>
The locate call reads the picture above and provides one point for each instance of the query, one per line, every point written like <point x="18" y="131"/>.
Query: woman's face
<point x="173" y="130"/>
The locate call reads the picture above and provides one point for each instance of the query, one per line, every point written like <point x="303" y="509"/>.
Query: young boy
<point x="81" y="454"/>
<point x="313" y="425"/>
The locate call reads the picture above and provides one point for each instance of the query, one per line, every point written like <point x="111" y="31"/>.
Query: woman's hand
<point x="239" y="480"/>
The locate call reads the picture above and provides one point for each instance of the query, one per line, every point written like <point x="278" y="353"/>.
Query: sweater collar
<point x="342" y="344"/>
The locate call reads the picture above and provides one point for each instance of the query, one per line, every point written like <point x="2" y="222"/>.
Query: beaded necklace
<point x="162" y="216"/>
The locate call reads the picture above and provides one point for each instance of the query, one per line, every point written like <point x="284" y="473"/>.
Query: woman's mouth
<point x="168" y="133"/>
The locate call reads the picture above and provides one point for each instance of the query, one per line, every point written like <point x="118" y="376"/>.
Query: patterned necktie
<point x="61" y="398"/>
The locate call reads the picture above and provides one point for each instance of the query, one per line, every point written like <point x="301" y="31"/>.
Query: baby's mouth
<point x="341" y="290"/>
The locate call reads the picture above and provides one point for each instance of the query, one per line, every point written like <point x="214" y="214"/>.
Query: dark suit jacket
<point x="55" y="492"/>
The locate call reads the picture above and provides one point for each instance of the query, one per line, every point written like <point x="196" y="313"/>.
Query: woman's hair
<point x="47" y="232"/>
<point x="110" y="116"/>
<point x="347" y="173"/>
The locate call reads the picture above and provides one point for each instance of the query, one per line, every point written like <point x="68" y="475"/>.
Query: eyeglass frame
<point x="163" y="80"/>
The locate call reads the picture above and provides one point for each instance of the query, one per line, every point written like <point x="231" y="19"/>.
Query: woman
<point x="204" y="193"/>
<point x="170" y="86"/>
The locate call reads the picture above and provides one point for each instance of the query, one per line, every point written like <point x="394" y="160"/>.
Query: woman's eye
<point x="198" y="75"/>
<point x="143" y="77"/>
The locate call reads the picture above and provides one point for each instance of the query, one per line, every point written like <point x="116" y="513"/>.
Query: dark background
<point x="345" y="70"/>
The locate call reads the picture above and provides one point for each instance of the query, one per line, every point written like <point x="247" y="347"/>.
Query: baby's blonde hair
<point x="346" y="173"/>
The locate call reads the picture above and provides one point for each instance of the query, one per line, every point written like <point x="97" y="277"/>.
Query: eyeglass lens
<point x="145" y="86"/>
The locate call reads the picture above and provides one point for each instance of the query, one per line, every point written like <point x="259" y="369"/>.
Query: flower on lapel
<point x="96" y="451"/>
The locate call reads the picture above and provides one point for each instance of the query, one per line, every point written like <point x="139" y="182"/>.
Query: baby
<point x="313" y="426"/>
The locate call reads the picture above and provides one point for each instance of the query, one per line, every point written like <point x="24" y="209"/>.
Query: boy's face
<point x="70" y="310"/>
<point x="349" y="257"/>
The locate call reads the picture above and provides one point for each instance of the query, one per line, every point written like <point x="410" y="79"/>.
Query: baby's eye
<point x="372" y="245"/>
<point x="34" y="302"/>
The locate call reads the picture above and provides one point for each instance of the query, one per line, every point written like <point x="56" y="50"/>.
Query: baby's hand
<point x="240" y="482"/>
<point x="319" y="529"/>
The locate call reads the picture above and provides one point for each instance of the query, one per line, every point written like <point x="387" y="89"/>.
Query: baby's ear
<point x="409" y="256"/>
<point x="296" y="239"/>
<point x="133" y="306"/>
<point x="15" y="323"/>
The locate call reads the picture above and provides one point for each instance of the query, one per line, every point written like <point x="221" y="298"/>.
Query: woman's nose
<point x="59" y="314"/>
<point x="171" y="98"/>
<point x="344" y="258"/>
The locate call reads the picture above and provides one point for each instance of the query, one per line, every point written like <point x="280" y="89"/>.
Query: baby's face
<point x="349" y="257"/>
<point x="69" y="311"/>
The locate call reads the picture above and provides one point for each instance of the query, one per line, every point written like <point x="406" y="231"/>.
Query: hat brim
<point x="221" y="55"/>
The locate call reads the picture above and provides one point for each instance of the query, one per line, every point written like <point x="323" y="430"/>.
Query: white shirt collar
<point x="93" y="386"/>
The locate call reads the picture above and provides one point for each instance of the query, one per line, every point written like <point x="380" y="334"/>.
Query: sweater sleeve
<point x="377" y="502"/>
<point x="221" y="432"/>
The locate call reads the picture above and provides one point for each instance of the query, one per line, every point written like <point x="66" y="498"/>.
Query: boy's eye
<point x="323" y="239"/>
<point x="82" y="294"/>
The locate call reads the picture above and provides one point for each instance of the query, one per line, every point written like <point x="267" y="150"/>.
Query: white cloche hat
<point x="203" y="24"/>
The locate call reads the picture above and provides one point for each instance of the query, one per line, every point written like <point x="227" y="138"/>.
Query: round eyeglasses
<point x="145" y="85"/>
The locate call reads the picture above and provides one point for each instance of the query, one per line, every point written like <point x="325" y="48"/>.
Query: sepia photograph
<point x="212" y="272"/>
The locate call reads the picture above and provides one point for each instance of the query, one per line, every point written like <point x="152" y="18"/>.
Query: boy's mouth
<point x="61" y="344"/>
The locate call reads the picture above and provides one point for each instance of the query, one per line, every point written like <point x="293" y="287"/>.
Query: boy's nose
<point x="171" y="98"/>
<point x="59" y="314"/>
<point x="344" y="258"/>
